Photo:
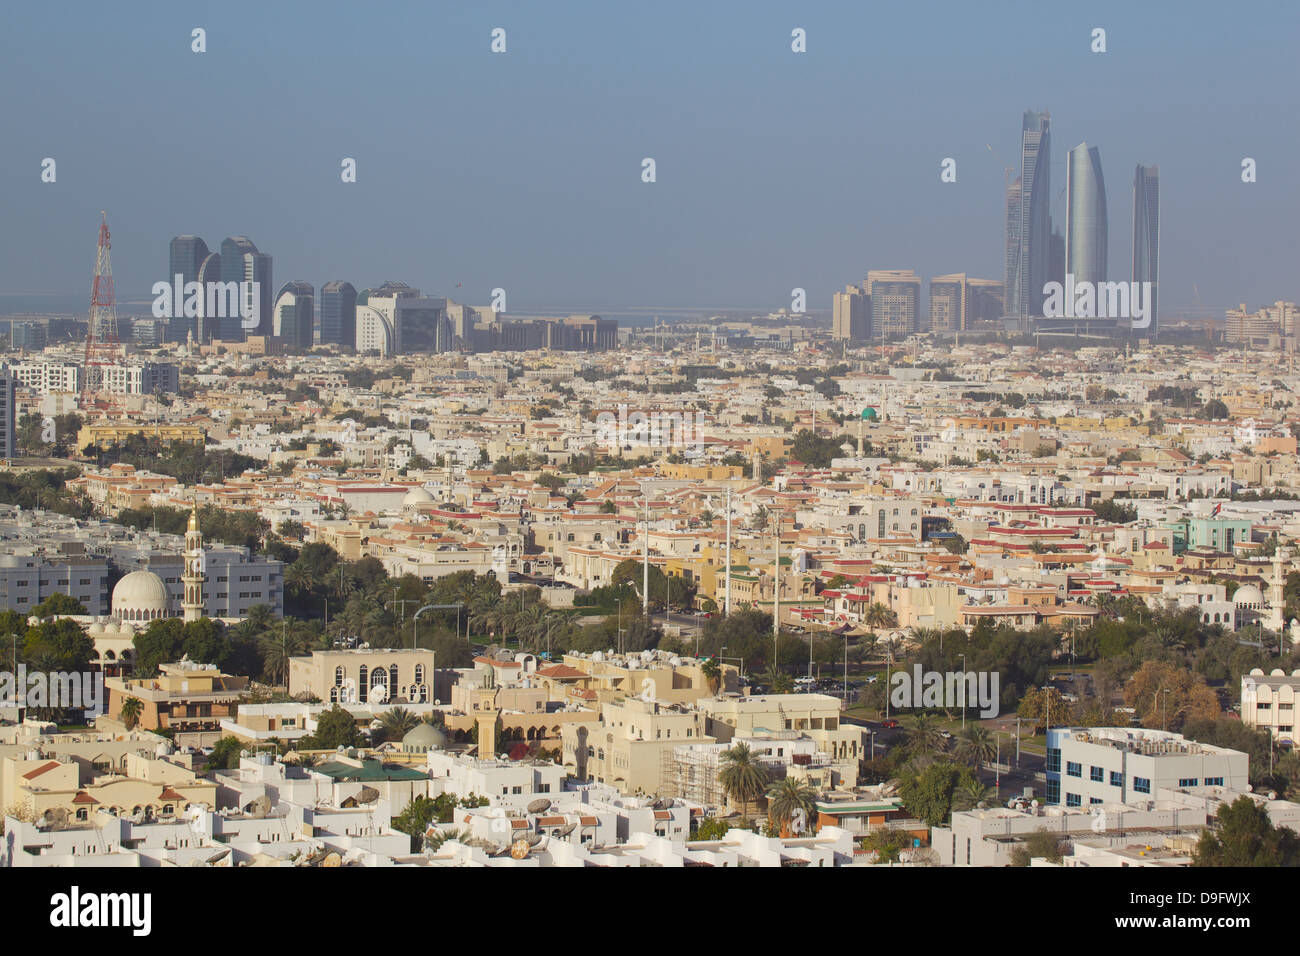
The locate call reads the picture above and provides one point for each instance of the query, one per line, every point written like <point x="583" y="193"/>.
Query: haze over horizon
<point x="523" y="170"/>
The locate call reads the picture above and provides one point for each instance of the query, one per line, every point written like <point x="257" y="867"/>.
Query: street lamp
<point x="964" y="686"/>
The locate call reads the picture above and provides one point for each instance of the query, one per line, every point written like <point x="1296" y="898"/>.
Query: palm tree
<point x="779" y="680"/>
<point x="712" y="674"/>
<point x="742" y="776"/>
<point x="977" y="746"/>
<point x="130" y="712"/>
<point x="397" y="723"/>
<point x="878" y="615"/>
<point x="973" y="794"/>
<point x="792" y="803"/>
<point x="923" y="736"/>
<point x="279" y="645"/>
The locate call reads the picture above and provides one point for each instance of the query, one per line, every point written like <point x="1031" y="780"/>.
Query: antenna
<point x="103" y="351"/>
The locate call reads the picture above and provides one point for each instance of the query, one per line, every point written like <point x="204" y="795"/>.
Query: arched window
<point x="419" y="673"/>
<point x="363" y="688"/>
<point x="338" y="676"/>
<point x="392" y="679"/>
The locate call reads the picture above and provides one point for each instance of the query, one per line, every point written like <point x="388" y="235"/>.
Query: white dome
<point x="417" y="496"/>
<point x="140" y="596"/>
<point x="1248" y="596"/>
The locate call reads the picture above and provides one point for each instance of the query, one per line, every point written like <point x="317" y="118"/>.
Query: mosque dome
<point x="140" y="596"/>
<point x="417" y="496"/>
<point x="423" y="737"/>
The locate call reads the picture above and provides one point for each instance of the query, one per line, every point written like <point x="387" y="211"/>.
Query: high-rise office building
<point x="959" y="303"/>
<point x="241" y="262"/>
<point x="338" y="314"/>
<point x="851" y="316"/>
<point x="1011" y="251"/>
<point x="8" y="415"/>
<point x="209" y="271"/>
<point x="1085" y="215"/>
<point x="416" y="323"/>
<point x="185" y="259"/>
<point x="294" y="314"/>
<point x="1032" y="262"/>
<point x="895" y="302"/>
<point x="1146" y="235"/>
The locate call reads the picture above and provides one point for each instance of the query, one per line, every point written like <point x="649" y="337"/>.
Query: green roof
<point x="369" y="770"/>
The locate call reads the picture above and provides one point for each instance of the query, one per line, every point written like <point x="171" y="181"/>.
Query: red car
<point x="889" y="724"/>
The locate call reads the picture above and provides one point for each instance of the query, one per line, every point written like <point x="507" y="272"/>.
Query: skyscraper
<point x="1146" y="235"/>
<point x="851" y="316"/>
<point x="186" y="258"/>
<point x="209" y="271"/>
<point x="1032" y="263"/>
<point x="1011" y="252"/>
<point x="293" y="318"/>
<point x="338" y="314"/>
<point x="895" y="302"/>
<point x="1085" y="215"/>
<point x="241" y="262"/>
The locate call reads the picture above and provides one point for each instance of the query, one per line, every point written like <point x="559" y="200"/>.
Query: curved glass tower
<point x="1085" y="215"/>
<point x="1028" y="251"/>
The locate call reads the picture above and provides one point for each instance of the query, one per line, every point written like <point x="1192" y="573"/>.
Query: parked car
<point x="889" y="724"/>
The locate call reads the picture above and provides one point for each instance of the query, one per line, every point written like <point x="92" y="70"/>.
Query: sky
<point x="523" y="170"/>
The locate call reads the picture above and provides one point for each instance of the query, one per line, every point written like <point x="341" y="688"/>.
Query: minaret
<point x="194" y="570"/>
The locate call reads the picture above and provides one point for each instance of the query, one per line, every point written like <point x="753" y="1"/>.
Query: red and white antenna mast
<point x="103" y="350"/>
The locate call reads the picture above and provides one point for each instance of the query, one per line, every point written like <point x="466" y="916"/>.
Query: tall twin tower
<point x="1036" y="254"/>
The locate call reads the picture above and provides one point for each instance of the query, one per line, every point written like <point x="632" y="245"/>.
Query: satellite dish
<point x="378" y="693"/>
<point x="332" y="859"/>
<point x="539" y="806"/>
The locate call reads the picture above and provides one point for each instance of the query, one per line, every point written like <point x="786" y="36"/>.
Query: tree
<point x="887" y="845"/>
<point x="1041" y="844"/>
<point x="225" y="754"/>
<point x="712" y="674"/>
<point x="1166" y="696"/>
<point x="416" y="819"/>
<point x="397" y="723"/>
<point x="1044" y="707"/>
<point x="334" y="728"/>
<point x="742" y="776"/>
<point x="977" y="746"/>
<point x="923" y="736"/>
<point x="711" y="828"/>
<point x="972" y="794"/>
<point x="59" y="604"/>
<point x="132" y="707"/>
<point x="1243" y="835"/>
<point x="928" y="794"/>
<point x="792" y="803"/>
<point x="59" y="645"/>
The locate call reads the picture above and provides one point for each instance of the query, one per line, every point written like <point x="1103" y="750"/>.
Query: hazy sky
<point x="523" y="170"/>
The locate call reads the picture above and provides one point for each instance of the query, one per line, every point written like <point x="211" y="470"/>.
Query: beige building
<point x="631" y="745"/>
<point x="365" y="675"/>
<point x="186" y="698"/>
<point x="816" y="715"/>
<point x="63" y="790"/>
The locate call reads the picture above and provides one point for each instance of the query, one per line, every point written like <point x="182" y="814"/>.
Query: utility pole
<point x="727" y="608"/>
<point x="645" y="562"/>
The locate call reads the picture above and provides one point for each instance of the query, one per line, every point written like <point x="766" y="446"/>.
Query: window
<point x="1073" y="800"/>
<point x="1095" y="800"/>
<point x="1214" y="781"/>
<point x="1097" y="775"/>
<point x="1116" y="778"/>
<point x="1053" y="791"/>
<point x="1074" y="769"/>
<point x="1053" y="760"/>
<point x="1141" y="785"/>
<point x="1188" y="782"/>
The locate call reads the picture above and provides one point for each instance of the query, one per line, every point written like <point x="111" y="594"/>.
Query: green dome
<point x="869" y="414"/>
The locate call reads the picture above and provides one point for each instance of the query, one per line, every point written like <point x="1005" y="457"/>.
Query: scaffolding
<point x="690" y="772"/>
